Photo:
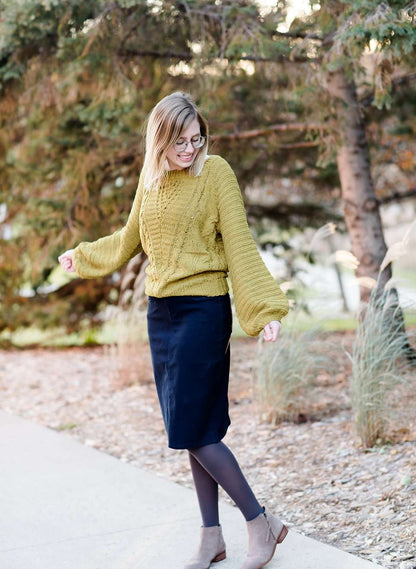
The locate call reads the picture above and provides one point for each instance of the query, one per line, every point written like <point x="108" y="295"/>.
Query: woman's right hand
<point x="67" y="261"/>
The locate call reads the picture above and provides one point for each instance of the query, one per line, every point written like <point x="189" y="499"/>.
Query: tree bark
<point x="361" y="207"/>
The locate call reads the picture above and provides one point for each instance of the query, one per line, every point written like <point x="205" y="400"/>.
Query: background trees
<point x="296" y="112"/>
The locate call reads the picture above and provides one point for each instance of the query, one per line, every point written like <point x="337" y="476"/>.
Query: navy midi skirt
<point x="189" y="342"/>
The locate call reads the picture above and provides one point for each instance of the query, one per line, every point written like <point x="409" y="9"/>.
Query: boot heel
<point x="219" y="557"/>
<point x="282" y="534"/>
<point x="211" y="548"/>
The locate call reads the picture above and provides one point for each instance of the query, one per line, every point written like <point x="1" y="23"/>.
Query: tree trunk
<point x="361" y="207"/>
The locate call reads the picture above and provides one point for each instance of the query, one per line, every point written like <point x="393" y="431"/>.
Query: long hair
<point x="166" y="122"/>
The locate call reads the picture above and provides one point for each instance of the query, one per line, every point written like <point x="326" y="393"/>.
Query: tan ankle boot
<point x="264" y="533"/>
<point x="211" y="549"/>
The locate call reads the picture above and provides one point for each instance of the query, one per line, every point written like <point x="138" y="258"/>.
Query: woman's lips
<point x="186" y="158"/>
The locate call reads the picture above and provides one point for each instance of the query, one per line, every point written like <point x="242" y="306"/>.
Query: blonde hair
<point x="169" y="118"/>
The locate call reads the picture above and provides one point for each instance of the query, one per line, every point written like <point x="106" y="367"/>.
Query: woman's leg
<point x="211" y="545"/>
<point x="207" y="492"/>
<point x="265" y="531"/>
<point x="222" y="466"/>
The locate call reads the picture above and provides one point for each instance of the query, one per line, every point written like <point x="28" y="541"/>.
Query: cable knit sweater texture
<point x="194" y="231"/>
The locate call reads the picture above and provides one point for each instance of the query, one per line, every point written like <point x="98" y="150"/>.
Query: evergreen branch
<point x="188" y="56"/>
<point x="267" y="130"/>
<point x="300" y="35"/>
<point x="397" y="197"/>
<point x="368" y="97"/>
<point x="277" y="59"/>
<point x="283" y="212"/>
<point x="126" y="52"/>
<point x="304" y="144"/>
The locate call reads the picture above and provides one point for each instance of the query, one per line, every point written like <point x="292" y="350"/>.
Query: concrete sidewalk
<point x="67" y="506"/>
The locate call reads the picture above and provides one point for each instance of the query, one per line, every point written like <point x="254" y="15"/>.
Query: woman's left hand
<point x="271" y="331"/>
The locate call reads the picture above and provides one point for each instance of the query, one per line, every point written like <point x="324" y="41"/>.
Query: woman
<point x="189" y="218"/>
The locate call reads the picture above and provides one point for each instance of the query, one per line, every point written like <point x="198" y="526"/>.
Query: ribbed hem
<point x="204" y="284"/>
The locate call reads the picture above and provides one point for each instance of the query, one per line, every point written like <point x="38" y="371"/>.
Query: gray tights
<point x="214" y="465"/>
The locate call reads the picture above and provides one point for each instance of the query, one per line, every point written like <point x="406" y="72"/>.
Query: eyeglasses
<point x="196" y="141"/>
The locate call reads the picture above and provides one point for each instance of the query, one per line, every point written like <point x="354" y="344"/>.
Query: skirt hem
<point x="206" y="441"/>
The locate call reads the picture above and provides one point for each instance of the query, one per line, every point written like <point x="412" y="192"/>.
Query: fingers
<point x="66" y="264"/>
<point x="66" y="261"/>
<point x="271" y="331"/>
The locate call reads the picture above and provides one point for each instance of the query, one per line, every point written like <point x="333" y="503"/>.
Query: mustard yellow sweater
<point x="195" y="232"/>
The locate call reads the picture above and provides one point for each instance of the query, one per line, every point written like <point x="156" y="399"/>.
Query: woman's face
<point x="184" y="158"/>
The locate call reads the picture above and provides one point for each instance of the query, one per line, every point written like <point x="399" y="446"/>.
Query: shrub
<point x="129" y="354"/>
<point x="379" y="364"/>
<point x="285" y="372"/>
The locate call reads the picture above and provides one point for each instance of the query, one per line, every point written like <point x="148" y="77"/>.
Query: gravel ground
<point x="312" y="474"/>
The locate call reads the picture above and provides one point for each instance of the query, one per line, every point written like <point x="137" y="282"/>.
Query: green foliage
<point x="66" y="427"/>
<point x="369" y="26"/>
<point x="34" y="27"/>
